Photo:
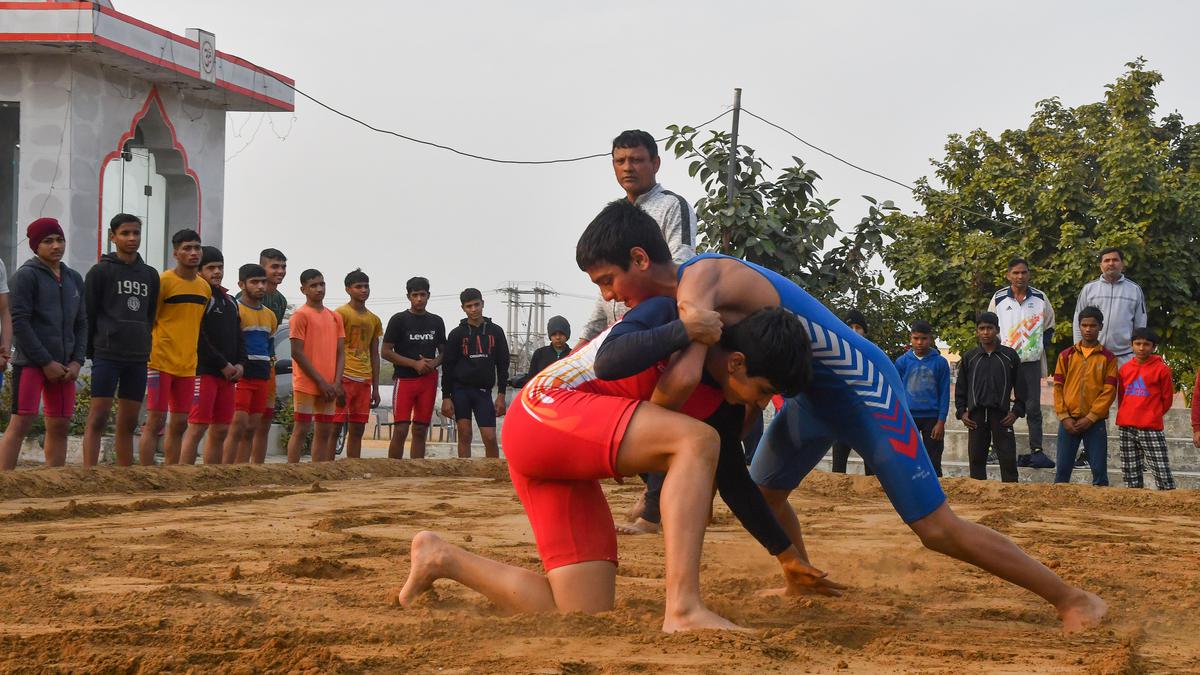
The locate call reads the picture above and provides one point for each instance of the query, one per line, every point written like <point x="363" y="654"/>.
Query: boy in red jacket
<point x="1143" y="398"/>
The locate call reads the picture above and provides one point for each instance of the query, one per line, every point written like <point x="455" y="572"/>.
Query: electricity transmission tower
<point x="525" y="323"/>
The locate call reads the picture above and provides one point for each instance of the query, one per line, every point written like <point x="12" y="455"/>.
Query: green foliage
<point x="285" y="415"/>
<point x="1075" y="181"/>
<point x="780" y="224"/>
<point x="83" y="403"/>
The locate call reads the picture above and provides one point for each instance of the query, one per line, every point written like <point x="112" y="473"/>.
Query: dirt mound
<point x="317" y="567"/>
<point x="69" y="481"/>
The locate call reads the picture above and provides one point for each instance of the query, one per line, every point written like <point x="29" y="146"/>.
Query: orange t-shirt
<point x="320" y="330"/>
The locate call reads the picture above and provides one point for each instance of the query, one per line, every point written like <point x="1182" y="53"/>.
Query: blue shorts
<point x="478" y="401"/>
<point x="856" y="396"/>
<point x="124" y="379"/>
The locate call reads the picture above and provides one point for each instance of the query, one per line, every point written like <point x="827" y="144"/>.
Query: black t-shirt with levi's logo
<point x="414" y="336"/>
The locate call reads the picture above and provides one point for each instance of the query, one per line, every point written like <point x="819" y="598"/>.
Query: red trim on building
<point x="152" y="98"/>
<point x="45" y="5"/>
<point x="107" y="11"/>
<point x="45" y="37"/>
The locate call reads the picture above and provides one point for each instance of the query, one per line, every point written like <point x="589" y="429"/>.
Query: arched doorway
<point x="148" y="176"/>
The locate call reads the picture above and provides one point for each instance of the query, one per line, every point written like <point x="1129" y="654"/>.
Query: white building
<point x="101" y="113"/>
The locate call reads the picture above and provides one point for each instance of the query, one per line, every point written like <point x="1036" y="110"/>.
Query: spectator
<point x="254" y="398"/>
<point x="1196" y="411"/>
<point x="476" y="360"/>
<point x="1143" y="398"/>
<point x="413" y="343"/>
<point x="559" y="331"/>
<point x="841" y="451"/>
<point x="171" y="372"/>
<point x="926" y="375"/>
<point x="987" y="402"/>
<point x="361" y="377"/>
<point x="221" y="362"/>
<point x="1085" y="386"/>
<point x="1026" y="325"/>
<point x="121" y="295"/>
<point x="1120" y="301"/>
<point x="636" y="162"/>
<point x="275" y="263"/>
<point x="50" y="331"/>
<point x="318" y="341"/>
<point x="5" y="323"/>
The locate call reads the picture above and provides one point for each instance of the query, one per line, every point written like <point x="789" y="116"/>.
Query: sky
<point x="879" y="83"/>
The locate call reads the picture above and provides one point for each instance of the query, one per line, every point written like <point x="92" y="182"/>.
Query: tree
<point x="780" y="224"/>
<point x="1075" y="181"/>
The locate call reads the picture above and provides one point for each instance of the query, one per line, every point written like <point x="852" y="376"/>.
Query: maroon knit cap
<point x="40" y="229"/>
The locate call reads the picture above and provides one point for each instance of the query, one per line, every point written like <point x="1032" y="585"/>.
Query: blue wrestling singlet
<point x="856" y="396"/>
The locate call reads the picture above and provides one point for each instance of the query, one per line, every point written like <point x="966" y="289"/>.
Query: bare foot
<point x="428" y="558"/>
<point x="1081" y="612"/>
<point x="638" y="508"/>
<point x="639" y="526"/>
<point x="699" y="619"/>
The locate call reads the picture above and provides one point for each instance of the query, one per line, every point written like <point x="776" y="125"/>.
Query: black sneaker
<point x="1039" y="460"/>
<point x="992" y="457"/>
<point x="1081" y="462"/>
<point x="1022" y="460"/>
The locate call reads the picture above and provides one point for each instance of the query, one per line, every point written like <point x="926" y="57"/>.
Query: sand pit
<point x="278" y="568"/>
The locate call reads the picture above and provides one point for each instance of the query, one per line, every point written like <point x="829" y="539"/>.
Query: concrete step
<point x="1182" y="455"/>
<point x="956" y="469"/>
<point x="1176" y="424"/>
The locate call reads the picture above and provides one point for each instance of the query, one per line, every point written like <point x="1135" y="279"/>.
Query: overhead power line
<point x="889" y="179"/>
<point x="472" y="155"/>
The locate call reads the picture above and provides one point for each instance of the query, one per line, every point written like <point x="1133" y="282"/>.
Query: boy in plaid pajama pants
<point x="1144" y="397"/>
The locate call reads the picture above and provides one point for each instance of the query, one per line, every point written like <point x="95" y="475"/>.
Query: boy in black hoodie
<point x="50" y="334"/>
<point x="121" y="296"/>
<point x="558" y="329"/>
<point x="221" y="360"/>
<point x="988" y="401"/>
<point x="476" y="360"/>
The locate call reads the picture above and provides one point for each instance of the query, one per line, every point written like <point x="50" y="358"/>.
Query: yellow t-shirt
<point x="362" y="330"/>
<point x="181" y="305"/>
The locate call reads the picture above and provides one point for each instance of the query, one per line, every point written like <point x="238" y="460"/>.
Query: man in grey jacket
<point x="636" y="162"/>
<point x="50" y="332"/>
<point x="1121" y="301"/>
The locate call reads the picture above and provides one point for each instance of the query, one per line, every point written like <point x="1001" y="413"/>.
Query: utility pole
<point x="523" y="340"/>
<point x="730" y="183"/>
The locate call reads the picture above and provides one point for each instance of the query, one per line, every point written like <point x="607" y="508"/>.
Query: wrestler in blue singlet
<point x="856" y="397"/>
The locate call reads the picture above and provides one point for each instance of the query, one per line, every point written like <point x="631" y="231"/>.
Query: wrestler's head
<point x="766" y="353"/>
<point x="620" y="250"/>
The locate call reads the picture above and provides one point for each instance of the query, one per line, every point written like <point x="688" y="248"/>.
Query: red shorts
<point x="358" y="402"/>
<point x="253" y="396"/>
<point x="30" y="388"/>
<point x="309" y="407"/>
<point x="557" y="453"/>
<point x="413" y="399"/>
<point x="214" y="404"/>
<point x="165" y="391"/>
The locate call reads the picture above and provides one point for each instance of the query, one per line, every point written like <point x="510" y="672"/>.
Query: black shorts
<point x="479" y="401"/>
<point x="125" y="379"/>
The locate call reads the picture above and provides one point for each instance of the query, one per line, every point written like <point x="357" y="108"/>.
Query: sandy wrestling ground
<point x="262" y="569"/>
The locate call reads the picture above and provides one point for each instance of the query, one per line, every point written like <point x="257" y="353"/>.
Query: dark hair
<point x="251" y="271"/>
<point x="122" y="218"/>
<point x="776" y="347"/>
<point x="417" y="284"/>
<point x="616" y="230"/>
<point x="1110" y="249"/>
<point x="922" y="327"/>
<point x="272" y="254"/>
<point x="1091" y="312"/>
<point x="357" y="277"/>
<point x="989" y="318"/>
<point x="1018" y="261"/>
<point x="211" y="254"/>
<point x="184" y="236"/>
<point x="468" y="295"/>
<point x="636" y="138"/>
<point x="308" y="275"/>
<point x="1144" y="333"/>
<point x="856" y="317"/>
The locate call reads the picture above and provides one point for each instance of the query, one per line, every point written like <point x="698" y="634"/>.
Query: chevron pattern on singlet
<point x="860" y="375"/>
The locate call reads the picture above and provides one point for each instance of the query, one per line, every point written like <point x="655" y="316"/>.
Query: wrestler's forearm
<point x="680" y="378"/>
<point x="742" y="496"/>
